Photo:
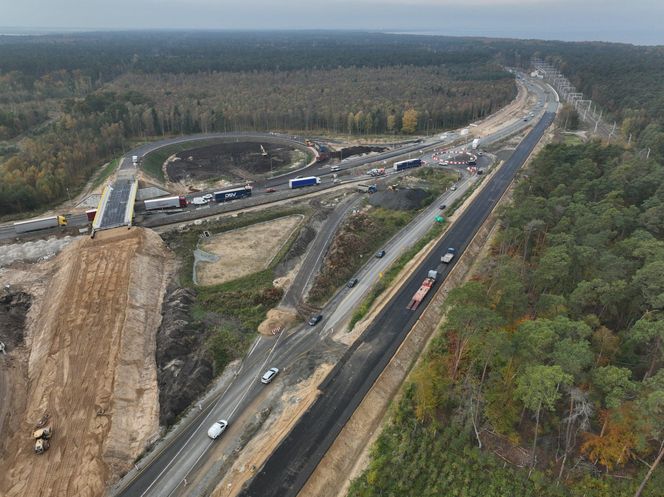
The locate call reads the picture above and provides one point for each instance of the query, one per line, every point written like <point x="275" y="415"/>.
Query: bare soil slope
<point x="91" y="367"/>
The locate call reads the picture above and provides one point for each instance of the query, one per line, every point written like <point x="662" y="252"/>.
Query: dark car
<point x="352" y="283"/>
<point x="380" y="254"/>
<point x="444" y="206"/>
<point x="314" y="320"/>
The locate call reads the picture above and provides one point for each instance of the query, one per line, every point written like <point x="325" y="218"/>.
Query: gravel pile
<point x="400" y="200"/>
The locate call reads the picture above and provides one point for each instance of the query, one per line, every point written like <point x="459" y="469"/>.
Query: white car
<point x="217" y="429"/>
<point x="269" y="375"/>
<point x="208" y="196"/>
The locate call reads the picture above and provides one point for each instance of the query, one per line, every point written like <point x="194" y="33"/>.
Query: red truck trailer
<point x="427" y="284"/>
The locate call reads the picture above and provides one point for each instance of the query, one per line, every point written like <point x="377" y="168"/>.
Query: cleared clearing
<point x="90" y="367"/>
<point x="245" y="250"/>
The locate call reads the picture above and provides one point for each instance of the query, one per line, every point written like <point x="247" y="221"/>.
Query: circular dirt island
<point x="233" y="162"/>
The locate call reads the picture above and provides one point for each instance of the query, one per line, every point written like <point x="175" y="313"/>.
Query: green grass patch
<point x="572" y="139"/>
<point x="106" y="172"/>
<point x="246" y="299"/>
<point x="438" y="180"/>
<point x="393" y="271"/>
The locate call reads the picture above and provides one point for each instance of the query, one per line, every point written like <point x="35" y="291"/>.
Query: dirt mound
<point x="184" y="367"/>
<point x="91" y="342"/>
<point x="356" y="150"/>
<point x="277" y="319"/>
<point x="401" y="200"/>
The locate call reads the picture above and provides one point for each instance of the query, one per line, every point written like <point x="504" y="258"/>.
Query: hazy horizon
<point x="595" y="20"/>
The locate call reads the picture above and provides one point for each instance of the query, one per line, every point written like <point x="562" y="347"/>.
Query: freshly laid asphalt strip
<point x="294" y="460"/>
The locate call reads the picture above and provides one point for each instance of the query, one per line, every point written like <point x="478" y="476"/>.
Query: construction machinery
<point x="42" y="437"/>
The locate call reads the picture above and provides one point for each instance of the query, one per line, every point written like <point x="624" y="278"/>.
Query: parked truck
<point x="179" y="201"/>
<point x="407" y="164"/>
<point x="476" y="143"/>
<point x="300" y="182"/>
<point x="40" y="224"/>
<point x="427" y="284"/>
<point x="91" y="213"/>
<point x="367" y="188"/>
<point x="448" y="256"/>
<point x="233" y="194"/>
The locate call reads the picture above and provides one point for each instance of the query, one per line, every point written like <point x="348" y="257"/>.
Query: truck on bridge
<point x="232" y="194"/>
<point x="166" y="203"/>
<point x="427" y="284"/>
<point x="40" y="224"/>
<point x="407" y="164"/>
<point x="300" y="182"/>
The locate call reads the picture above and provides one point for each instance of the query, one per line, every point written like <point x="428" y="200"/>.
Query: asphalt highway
<point x="291" y="464"/>
<point x="190" y="455"/>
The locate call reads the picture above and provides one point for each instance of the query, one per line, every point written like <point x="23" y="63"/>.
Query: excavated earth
<point x="88" y="363"/>
<point x="234" y="161"/>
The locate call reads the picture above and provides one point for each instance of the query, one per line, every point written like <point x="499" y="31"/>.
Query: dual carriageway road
<point x="189" y="463"/>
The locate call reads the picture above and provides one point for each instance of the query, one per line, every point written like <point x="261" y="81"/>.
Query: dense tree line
<point x="345" y="100"/>
<point x="557" y="345"/>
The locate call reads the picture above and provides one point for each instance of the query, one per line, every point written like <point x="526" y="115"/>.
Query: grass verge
<point x="105" y="173"/>
<point x="358" y="239"/>
<point x="393" y="271"/>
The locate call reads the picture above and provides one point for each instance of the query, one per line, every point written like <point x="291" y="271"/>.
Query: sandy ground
<point x="245" y="250"/>
<point x="90" y="348"/>
<point x="277" y="320"/>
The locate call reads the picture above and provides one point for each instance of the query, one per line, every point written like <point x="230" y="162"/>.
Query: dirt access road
<point x="90" y="343"/>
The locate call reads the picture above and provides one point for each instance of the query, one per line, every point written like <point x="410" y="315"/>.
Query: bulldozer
<point x="42" y="436"/>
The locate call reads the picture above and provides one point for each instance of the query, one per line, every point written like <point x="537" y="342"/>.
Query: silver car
<point x="269" y="375"/>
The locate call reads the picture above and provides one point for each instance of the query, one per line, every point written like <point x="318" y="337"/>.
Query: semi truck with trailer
<point x="232" y="194"/>
<point x="40" y="224"/>
<point x="179" y="201"/>
<point x="301" y="182"/>
<point x="406" y="164"/>
<point x="422" y="292"/>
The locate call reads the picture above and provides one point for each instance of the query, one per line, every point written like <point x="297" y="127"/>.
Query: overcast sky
<point x="634" y="21"/>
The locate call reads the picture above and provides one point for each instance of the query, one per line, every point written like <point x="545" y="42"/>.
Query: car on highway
<point x="444" y="206"/>
<point x="380" y="254"/>
<point x="269" y="375"/>
<point x="270" y="190"/>
<point x="352" y="283"/>
<point x="314" y="320"/>
<point x="208" y="196"/>
<point x="453" y="188"/>
<point x="217" y="429"/>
